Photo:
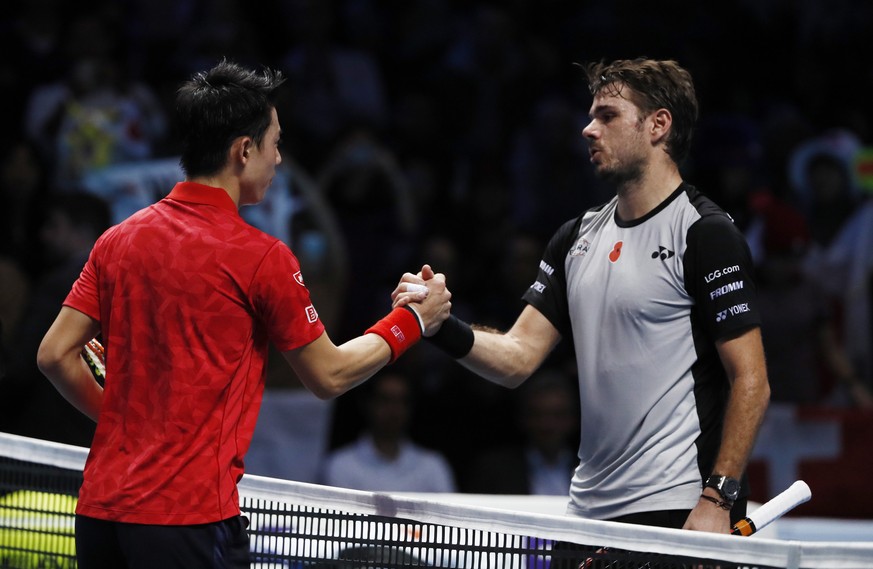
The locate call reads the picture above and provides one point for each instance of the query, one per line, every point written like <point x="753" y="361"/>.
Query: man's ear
<point x="241" y="148"/>
<point x="662" y="120"/>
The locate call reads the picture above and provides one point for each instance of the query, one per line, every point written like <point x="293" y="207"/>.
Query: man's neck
<point x="638" y="197"/>
<point x="222" y="182"/>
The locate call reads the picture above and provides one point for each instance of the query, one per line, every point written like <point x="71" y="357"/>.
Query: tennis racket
<point x="767" y="513"/>
<point x="95" y="356"/>
<point x="773" y="509"/>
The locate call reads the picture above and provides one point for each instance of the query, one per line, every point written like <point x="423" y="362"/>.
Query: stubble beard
<point x="622" y="175"/>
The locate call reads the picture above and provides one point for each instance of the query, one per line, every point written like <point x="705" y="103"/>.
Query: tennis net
<point x="296" y="525"/>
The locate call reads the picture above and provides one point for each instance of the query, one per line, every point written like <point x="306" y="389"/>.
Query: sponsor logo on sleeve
<point x="726" y="289"/>
<point x="539" y="287"/>
<point x="311" y="314"/>
<point x="581" y="247"/>
<point x="298" y="276"/>
<point x="734" y="310"/>
<point x="718" y="273"/>
<point x="546" y="268"/>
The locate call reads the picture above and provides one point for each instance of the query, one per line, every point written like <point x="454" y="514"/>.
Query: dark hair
<point x="654" y="85"/>
<point x="217" y="106"/>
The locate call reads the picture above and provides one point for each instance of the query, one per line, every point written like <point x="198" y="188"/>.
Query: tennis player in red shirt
<point x="187" y="297"/>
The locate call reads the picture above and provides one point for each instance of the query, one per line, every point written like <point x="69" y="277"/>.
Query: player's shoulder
<point x="708" y="215"/>
<point x="705" y="206"/>
<point x="572" y="225"/>
<point x="712" y="226"/>
<point x="254" y="240"/>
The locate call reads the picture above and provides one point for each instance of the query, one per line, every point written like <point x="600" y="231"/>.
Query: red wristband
<point x="400" y="329"/>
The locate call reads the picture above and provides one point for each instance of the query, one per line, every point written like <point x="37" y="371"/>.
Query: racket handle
<point x="744" y="527"/>
<point x="773" y="509"/>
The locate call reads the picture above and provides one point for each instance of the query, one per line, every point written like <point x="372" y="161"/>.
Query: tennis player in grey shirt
<point x="655" y="290"/>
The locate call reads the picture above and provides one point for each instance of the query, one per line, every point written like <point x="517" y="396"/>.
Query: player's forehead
<point x="615" y="97"/>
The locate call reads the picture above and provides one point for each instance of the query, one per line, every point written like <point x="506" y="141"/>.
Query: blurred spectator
<point x="31" y="405"/>
<point x="384" y="458"/>
<point x="513" y="271"/>
<point x="336" y="86"/>
<point x="23" y="187"/>
<point x="805" y="362"/>
<point x="727" y="166"/>
<point x="14" y="293"/>
<point x="364" y="186"/>
<point x="33" y="31"/>
<point x="542" y="460"/>
<point x="822" y="176"/>
<point x="208" y="32"/>
<point x="486" y="81"/>
<point x="847" y="269"/>
<point x="95" y="115"/>
<point x="550" y="177"/>
<point x="423" y="149"/>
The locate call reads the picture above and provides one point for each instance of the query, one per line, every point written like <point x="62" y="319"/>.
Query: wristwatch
<point x="728" y="488"/>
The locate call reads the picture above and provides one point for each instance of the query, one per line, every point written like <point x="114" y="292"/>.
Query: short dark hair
<point x="215" y="107"/>
<point x="655" y="84"/>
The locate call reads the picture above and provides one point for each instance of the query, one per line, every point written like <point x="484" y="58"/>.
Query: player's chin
<point x="258" y="196"/>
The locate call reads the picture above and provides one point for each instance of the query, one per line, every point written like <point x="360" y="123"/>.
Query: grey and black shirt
<point x="644" y="302"/>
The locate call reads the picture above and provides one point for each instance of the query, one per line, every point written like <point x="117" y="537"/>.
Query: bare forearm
<point x="743" y="417"/>
<point x="500" y="358"/>
<point x="72" y="378"/>
<point x="744" y="363"/>
<point x="59" y="358"/>
<point x="329" y="370"/>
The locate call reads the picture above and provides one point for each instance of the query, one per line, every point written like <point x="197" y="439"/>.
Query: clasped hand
<point x="433" y="306"/>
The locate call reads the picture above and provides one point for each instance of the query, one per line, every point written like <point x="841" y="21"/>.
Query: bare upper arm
<point x="743" y="355"/>
<point x="510" y="358"/>
<point x="70" y="331"/>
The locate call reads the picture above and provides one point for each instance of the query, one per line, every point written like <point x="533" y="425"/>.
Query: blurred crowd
<point x="446" y="132"/>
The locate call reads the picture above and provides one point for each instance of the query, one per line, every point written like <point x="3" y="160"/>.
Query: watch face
<point x="731" y="488"/>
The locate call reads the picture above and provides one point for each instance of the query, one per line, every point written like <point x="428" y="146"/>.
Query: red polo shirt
<point x="188" y="296"/>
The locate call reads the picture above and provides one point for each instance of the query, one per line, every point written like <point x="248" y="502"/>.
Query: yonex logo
<point x="734" y="310"/>
<point x="663" y="253"/>
<point x="398" y="333"/>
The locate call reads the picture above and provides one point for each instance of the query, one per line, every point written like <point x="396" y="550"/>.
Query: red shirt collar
<point x="202" y="194"/>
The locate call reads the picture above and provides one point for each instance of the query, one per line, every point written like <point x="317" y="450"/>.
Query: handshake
<point x="427" y="295"/>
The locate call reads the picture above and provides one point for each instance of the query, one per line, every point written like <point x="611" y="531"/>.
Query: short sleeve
<point x="281" y="300"/>
<point x="719" y="275"/>
<point x="84" y="296"/>
<point x="548" y="293"/>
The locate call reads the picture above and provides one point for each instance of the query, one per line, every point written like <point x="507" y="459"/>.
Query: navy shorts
<point x="102" y="544"/>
